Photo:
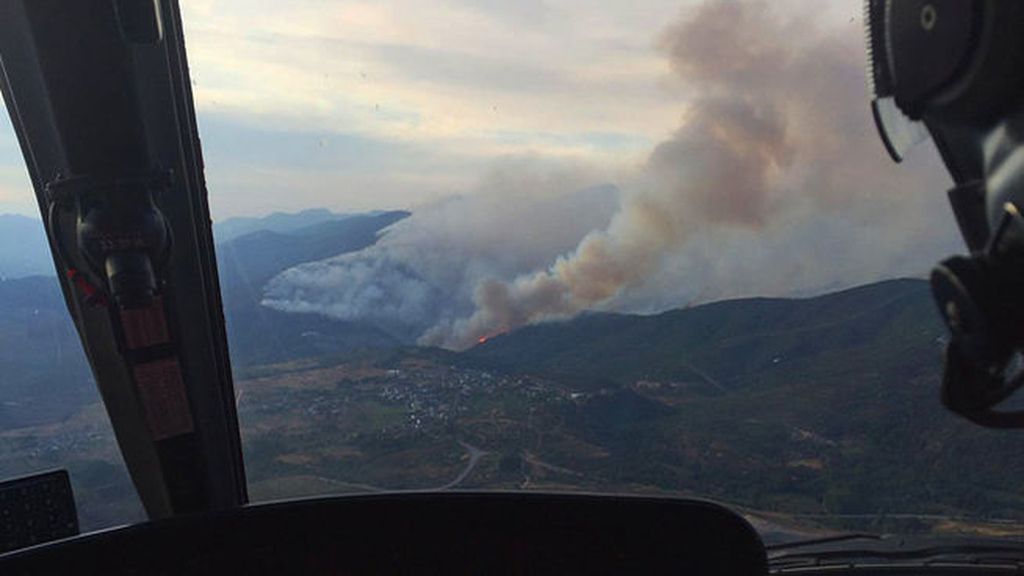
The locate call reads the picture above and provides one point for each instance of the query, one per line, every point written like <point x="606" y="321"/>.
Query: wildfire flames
<point x="484" y="339"/>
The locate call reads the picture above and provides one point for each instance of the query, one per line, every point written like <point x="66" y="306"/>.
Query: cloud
<point x="275" y="170"/>
<point x="449" y="70"/>
<point x="450" y="85"/>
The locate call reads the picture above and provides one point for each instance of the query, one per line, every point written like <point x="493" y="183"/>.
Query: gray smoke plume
<point x="777" y="123"/>
<point x="778" y="130"/>
<point x="425" y="268"/>
<point x="774" y="183"/>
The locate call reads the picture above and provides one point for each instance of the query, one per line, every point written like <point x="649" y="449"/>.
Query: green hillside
<point x="735" y="343"/>
<point x="823" y="406"/>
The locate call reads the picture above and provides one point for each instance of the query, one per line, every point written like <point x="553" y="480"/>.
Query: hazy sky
<point x="363" y="105"/>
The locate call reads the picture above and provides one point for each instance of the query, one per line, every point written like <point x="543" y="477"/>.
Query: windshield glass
<point x="649" y="247"/>
<point x="51" y="414"/>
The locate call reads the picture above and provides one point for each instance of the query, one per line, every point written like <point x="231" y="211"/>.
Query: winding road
<point x="475" y="454"/>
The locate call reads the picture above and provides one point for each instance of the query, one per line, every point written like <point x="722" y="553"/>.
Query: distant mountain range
<point x="45" y="374"/>
<point x="260" y="335"/>
<point x="252" y="259"/>
<point x="24" y="250"/>
<point x="280" y="222"/>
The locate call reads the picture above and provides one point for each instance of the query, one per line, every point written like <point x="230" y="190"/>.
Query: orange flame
<point x="485" y="339"/>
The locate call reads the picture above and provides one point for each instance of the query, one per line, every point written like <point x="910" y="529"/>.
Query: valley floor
<point x="410" y="421"/>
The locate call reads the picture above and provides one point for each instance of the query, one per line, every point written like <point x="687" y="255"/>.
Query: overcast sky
<point x="395" y="103"/>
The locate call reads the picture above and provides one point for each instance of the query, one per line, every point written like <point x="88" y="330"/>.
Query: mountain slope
<point x="251" y="260"/>
<point x="259" y="335"/>
<point x="735" y="342"/>
<point x="825" y="406"/>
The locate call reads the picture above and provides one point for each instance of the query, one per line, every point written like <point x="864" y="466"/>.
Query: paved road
<point x="475" y="454"/>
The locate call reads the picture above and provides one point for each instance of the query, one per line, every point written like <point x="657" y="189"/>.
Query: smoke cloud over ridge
<point x="425" y="268"/>
<point x="774" y="182"/>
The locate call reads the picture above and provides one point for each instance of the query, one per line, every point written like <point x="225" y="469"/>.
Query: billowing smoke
<point x="778" y="119"/>
<point x="424" y="269"/>
<point x="774" y="182"/>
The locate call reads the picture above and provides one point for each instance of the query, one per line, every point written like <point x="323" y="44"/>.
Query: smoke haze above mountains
<point x="424" y="269"/>
<point x="773" y="183"/>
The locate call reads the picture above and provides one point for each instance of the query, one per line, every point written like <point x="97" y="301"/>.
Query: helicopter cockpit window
<point x="514" y="247"/>
<point x="648" y="247"/>
<point x="51" y="415"/>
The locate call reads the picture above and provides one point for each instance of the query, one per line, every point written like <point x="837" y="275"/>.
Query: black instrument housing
<point x="422" y="533"/>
